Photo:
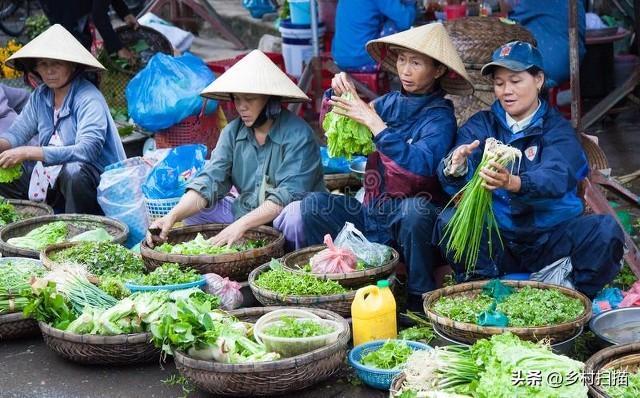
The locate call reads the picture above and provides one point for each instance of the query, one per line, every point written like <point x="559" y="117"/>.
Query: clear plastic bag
<point x="333" y="259"/>
<point x="557" y="273"/>
<point x="372" y="254"/>
<point x="229" y="291"/>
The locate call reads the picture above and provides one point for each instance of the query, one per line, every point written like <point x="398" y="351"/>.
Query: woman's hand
<point x="163" y="225"/>
<point x="230" y="234"/>
<point x="497" y="176"/>
<point x="12" y="157"/>
<point x="342" y="84"/>
<point x="131" y="21"/>
<point x="461" y="153"/>
<point x="359" y="111"/>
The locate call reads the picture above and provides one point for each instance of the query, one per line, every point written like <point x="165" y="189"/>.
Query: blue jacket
<point x="85" y="126"/>
<point x="552" y="165"/>
<point x="358" y="21"/>
<point x="420" y="131"/>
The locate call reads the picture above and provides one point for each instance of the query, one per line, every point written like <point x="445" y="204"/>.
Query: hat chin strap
<point x="271" y="110"/>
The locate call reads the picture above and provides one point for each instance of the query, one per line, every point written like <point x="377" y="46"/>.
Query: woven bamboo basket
<point x="235" y="266"/>
<point x="100" y="350"/>
<point x="341" y="181"/>
<point x="267" y="378"/>
<point x="293" y="261"/>
<point x="618" y="357"/>
<point x="595" y="154"/>
<point x="396" y="384"/>
<point x="15" y="325"/>
<point x="470" y="333"/>
<point x="28" y="209"/>
<point x="77" y="224"/>
<point x="338" y="303"/>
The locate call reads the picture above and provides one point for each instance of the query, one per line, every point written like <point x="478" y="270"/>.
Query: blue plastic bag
<point x="257" y="8"/>
<point x="608" y="299"/>
<point x="168" y="90"/>
<point x="337" y="165"/>
<point x="170" y="176"/>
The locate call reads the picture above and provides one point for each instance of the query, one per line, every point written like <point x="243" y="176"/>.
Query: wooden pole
<point x="574" y="63"/>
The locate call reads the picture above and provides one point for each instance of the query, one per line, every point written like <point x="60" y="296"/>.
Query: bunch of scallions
<point x="474" y="214"/>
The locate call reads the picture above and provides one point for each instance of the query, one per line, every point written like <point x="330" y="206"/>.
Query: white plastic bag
<point x="557" y="273"/>
<point x="372" y="254"/>
<point x="229" y="291"/>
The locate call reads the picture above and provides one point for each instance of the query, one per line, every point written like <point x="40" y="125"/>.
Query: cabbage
<point x="345" y="136"/>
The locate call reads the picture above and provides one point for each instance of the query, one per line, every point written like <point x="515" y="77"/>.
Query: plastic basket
<point x="380" y="379"/>
<point x="157" y="208"/>
<point x="200" y="129"/>
<point x="179" y="286"/>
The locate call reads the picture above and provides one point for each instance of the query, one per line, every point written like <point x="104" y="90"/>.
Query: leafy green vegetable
<point x="10" y="174"/>
<point x="296" y="328"/>
<point x="50" y="307"/>
<point x="93" y="235"/>
<point x="139" y="46"/>
<point x="102" y="258"/>
<point x="8" y="212"/>
<point x="345" y="136"/>
<point x="199" y="245"/>
<point x="114" y="286"/>
<point x="392" y="354"/>
<point x="168" y="274"/>
<point x="15" y="289"/>
<point x="422" y="331"/>
<point x="625" y="278"/>
<point x="527" y="307"/>
<point x="41" y="237"/>
<point x="281" y="281"/>
<point x="631" y="390"/>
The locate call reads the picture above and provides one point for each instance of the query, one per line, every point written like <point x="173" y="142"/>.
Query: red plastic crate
<point x="200" y="129"/>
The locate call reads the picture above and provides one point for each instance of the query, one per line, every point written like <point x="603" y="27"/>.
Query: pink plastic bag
<point x="333" y="259"/>
<point x="229" y="291"/>
<point x="632" y="297"/>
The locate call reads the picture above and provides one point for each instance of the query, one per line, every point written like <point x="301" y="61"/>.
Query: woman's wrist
<point x="514" y="184"/>
<point x="376" y="125"/>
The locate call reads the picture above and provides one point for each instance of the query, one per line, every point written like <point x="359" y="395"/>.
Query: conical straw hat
<point x="254" y="74"/>
<point x="54" y="43"/>
<point x="431" y="40"/>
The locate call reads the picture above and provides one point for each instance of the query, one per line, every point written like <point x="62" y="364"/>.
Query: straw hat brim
<point x="254" y="74"/>
<point x="431" y="40"/>
<point x="54" y="43"/>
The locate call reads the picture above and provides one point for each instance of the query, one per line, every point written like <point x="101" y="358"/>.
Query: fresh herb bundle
<point x="392" y="354"/>
<point x="168" y="274"/>
<point x="101" y="258"/>
<point x="8" y="212"/>
<point x="199" y="245"/>
<point x="474" y="215"/>
<point x="292" y="327"/>
<point x="345" y="136"/>
<point x="284" y="282"/>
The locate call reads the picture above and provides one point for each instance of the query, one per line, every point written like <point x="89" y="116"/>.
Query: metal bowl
<point x="357" y="168"/>
<point x="619" y="326"/>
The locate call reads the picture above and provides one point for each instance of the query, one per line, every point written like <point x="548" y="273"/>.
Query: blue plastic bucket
<point x="300" y="12"/>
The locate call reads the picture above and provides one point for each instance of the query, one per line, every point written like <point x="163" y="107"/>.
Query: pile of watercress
<point x="168" y="274"/>
<point x="296" y="328"/>
<point x="392" y="354"/>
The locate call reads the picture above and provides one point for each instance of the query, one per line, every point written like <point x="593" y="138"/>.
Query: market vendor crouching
<point x="64" y="136"/>
<point x="268" y="154"/>
<point x="413" y="130"/>
<point x="538" y="211"/>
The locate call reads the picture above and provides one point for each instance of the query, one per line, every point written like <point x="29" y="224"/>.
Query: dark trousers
<point x="595" y="244"/>
<point x="75" y="190"/>
<point x="405" y="224"/>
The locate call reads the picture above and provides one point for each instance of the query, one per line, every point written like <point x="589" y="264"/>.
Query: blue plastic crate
<point x="380" y="379"/>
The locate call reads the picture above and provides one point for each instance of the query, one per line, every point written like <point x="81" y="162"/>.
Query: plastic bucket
<point x="455" y="11"/>
<point x="300" y="12"/>
<point x="296" y="45"/>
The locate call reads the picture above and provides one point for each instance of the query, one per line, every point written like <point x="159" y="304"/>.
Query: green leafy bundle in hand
<point x="345" y="136"/>
<point x="10" y="174"/>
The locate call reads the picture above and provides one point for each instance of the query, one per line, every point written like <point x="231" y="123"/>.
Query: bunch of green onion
<point x="475" y="210"/>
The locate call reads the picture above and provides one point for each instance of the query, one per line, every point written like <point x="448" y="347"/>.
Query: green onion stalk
<point x="463" y="233"/>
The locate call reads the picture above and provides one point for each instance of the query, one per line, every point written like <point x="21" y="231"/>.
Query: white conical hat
<point x="54" y="43"/>
<point x="431" y="40"/>
<point x="254" y="74"/>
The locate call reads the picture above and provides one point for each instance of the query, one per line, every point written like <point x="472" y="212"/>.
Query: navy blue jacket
<point x="552" y="165"/>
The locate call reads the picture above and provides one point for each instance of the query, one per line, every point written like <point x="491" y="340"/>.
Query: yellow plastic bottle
<point x="373" y="313"/>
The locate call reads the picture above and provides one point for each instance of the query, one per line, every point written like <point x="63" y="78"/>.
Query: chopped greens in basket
<point x="422" y="331"/>
<point x="168" y="274"/>
<point x="280" y="281"/>
<point x="101" y="258"/>
<point x="292" y="327"/>
<point x="199" y="245"/>
<point x="391" y="355"/>
<point x="630" y="390"/>
<point x="45" y="235"/>
<point x="527" y="307"/>
<point x="360" y="266"/>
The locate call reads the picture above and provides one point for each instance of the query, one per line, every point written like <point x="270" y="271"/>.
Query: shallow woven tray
<point x="623" y="357"/>
<point x="100" y="350"/>
<point x="157" y="42"/>
<point x="15" y="325"/>
<point x="470" y="333"/>
<point x="28" y="209"/>
<point x="338" y="303"/>
<point x="267" y="378"/>
<point x="294" y="260"/>
<point x="341" y="181"/>
<point x="235" y="266"/>
<point x="78" y="223"/>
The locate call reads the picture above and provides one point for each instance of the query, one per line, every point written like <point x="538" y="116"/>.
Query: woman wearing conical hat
<point x="413" y="129"/>
<point x="65" y="136"/>
<point x="268" y="154"/>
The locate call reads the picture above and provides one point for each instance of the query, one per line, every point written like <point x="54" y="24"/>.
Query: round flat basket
<point x="338" y="303"/>
<point x="293" y="261"/>
<point x="15" y="326"/>
<point x="100" y="350"/>
<point x="77" y="224"/>
<point x="235" y="266"/>
<point x="481" y="99"/>
<point x="267" y="378"/>
<point x="620" y="357"/>
<point x="28" y="209"/>
<point x="341" y="181"/>
<point x="468" y="333"/>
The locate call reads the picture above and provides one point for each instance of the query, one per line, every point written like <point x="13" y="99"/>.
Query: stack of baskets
<point x="476" y="38"/>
